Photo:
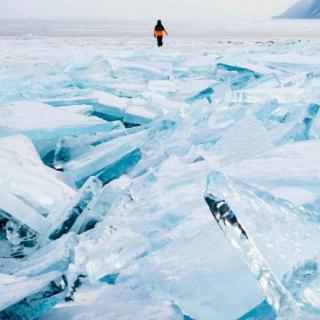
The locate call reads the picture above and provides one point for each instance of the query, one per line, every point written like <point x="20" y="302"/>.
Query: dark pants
<point x="160" y="43"/>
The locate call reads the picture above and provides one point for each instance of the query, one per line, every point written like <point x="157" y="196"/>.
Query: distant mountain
<point x="303" y="9"/>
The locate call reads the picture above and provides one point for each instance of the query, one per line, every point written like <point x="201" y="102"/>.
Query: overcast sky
<point x="142" y="9"/>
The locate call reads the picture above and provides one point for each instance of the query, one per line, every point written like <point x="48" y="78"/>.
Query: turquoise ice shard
<point x="27" y="298"/>
<point x="261" y="312"/>
<point x="301" y="130"/>
<point x="243" y="68"/>
<point x="204" y="94"/>
<point x="62" y="222"/>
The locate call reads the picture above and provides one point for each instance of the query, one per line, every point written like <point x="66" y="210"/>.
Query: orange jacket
<point x="160" y="33"/>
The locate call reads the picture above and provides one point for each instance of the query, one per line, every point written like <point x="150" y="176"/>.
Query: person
<point x="159" y="32"/>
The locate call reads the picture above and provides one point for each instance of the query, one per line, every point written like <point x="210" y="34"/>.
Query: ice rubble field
<point x="106" y="152"/>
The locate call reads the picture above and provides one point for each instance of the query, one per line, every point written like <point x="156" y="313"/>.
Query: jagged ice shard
<point x="172" y="183"/>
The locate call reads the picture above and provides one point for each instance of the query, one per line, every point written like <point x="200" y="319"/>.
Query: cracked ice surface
<point x="105" y="150"/>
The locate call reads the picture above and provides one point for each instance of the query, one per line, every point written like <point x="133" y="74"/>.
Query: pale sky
<point x="143" y="9"/>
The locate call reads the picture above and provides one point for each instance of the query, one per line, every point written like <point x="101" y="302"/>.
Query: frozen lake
<point x="109" y="147"/>
<point x="216" y="29"/>
<point x="42" y="41"/>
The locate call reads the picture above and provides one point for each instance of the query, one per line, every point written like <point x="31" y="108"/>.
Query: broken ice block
<point x="27" y="298"/>
<point x="62" y="222"/>
<point x="115" y="251"/>
<point x="21" y="224"/>
<point x="300" y="131"/>
<point x="97" y="209"/>
<point x="138" y="115"/>
<point x="73" y="146"/>
<point x="84" y="109"/>
<point x="109" y="106"/>
<point x="45" y="124"/>
<point x="11" y="207"/>
<point x="23" y="174"/>
<point x="204" y="94"/>
<point x="56" y="256"/>
<point x="108" y="160"/>
<point x="256" y="70"/>
<point x="40" y="121"/>
<point x="276" y="295"/>
<point x="265" y="220"/>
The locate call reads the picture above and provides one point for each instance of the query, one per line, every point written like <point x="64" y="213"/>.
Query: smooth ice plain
<point x="159" y="184"/>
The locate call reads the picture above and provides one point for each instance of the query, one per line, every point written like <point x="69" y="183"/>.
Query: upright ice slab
<point x="62" y="222"/>
<point x="255" y="246"/>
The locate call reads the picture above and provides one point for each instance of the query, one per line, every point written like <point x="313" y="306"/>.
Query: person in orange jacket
<point x="159" y="31"/>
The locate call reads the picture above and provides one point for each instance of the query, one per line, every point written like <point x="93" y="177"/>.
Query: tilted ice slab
<point x="107" y="160"/>
<point x="40" y="121"/>
<point x="71" y="147"/>
<point x="23" y="174"/>
<point x="265" y="220"/>
<point x="62" y="222"/>
<point x="28" y="298"/>
<point x="112" y="107"/>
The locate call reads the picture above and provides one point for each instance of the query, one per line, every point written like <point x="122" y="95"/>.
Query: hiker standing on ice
<point x="159" y="31"/>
